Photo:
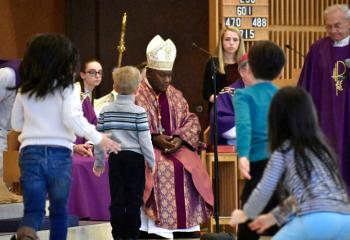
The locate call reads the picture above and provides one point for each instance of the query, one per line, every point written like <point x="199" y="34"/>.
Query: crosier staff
<point x="121" y="47"/>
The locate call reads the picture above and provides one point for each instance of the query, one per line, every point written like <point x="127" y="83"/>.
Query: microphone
<point x="214" y="67"/>
<point x="293" y="50"/>
<point x="201" y="49"/>
<point x="347" y="62"/>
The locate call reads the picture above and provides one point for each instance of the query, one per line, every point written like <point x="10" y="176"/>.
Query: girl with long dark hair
<point x="47" y="112"/>
<point x="308" y="170"/>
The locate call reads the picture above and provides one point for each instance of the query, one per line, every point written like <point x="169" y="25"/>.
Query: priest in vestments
<point x="179" y="196"/>
<point x="82" y="146"/>
<point x="9" y="78"/>
<point x="89" y="114"/>
<point x="226" y="126"/>
<point x="326" y="77"/>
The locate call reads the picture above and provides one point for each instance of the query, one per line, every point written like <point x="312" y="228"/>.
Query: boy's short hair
<point x="266" y="60"/>
<point x="126" y="79"/>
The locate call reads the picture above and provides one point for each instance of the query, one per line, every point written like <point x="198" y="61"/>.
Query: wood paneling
<point x="20" y="19"/>
<point x="184" y="22"/>
<point x="297" y="23"/>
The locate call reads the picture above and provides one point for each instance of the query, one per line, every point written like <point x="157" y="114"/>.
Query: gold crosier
<point x="121" y="47"/>
<point x="338" y="77"/>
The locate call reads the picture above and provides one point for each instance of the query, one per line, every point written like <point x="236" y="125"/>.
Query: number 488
<point x="259" y="22"/>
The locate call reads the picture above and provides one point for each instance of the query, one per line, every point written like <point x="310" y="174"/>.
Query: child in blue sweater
<point x="266" y="61"/>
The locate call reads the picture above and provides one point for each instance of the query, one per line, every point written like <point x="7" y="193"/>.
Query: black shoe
<point x="187" y="235"/>
<point x="146" y="235"/>
<point x="13" y="238"/>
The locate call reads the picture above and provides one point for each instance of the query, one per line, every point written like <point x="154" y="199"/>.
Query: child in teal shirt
<point x="251" y="104"/>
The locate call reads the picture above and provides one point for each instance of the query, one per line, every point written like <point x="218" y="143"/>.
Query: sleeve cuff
<point x="95" y="137"/>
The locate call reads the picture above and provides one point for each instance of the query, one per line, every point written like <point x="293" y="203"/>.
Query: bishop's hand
<point x="167" y="144"/>
<point x="177" y="142"/>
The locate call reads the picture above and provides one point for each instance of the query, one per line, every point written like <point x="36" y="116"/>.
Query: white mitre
<point x="161" y="54"/>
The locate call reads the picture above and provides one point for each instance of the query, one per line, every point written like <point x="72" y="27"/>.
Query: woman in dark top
<point x="230" y="49"/>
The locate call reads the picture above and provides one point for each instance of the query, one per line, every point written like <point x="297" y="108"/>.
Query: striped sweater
<point x="128" y="125"/>
<point x="321" y="195"/>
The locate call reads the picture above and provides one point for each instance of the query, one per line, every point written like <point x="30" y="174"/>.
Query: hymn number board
<point x="250" y="16"/>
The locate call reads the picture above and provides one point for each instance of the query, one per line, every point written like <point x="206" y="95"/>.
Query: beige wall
<point x="20" y="19"/>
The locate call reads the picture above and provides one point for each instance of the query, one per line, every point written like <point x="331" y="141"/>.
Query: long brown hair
<point x="220" y="49"/>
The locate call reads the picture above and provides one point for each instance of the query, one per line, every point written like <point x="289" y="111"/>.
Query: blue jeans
<point x="317" y="226"/>
<point x="46" y="170"/>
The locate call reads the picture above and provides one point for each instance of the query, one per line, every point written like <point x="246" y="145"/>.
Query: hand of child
<point x="237" y="217"/>
<point x="98" y="170"/>
<point x="244" y="167"/>
<point x="109" y="145"/>
<point x="262" y="222"/>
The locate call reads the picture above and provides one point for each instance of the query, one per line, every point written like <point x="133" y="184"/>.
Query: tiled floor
<point x="87" y="231"/>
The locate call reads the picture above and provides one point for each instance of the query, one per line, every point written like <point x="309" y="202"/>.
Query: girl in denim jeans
<point x="47" y="112"/>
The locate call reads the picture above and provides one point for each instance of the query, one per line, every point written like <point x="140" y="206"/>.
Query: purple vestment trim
<point x="90" y="115"/>
<point x="14" y="64"/>
<point x="226" y="113"/>
<point x="178" y="167"/>
<point x="165" y="113"/>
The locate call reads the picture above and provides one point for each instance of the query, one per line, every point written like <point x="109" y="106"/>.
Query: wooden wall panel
<point x="96" y="32"/>
<point x="20" y="19"/>
<point x="297" y="23"/>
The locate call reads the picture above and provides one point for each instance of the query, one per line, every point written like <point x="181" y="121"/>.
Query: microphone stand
<point x="216" y="158"/>
<point x="215" y="135"/>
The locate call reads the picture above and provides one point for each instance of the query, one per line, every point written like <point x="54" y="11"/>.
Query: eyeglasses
<point x="93" y="73"/>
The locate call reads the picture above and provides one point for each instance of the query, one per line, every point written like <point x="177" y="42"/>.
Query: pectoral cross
<point x="338" y="77"/>
<point x="160" y="129"/>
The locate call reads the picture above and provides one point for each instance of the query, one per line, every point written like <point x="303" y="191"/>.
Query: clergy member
<point x="226" y="126"/>
<point x="9" y="78"/>
<point x="179" y="196"/>
<point x="326" y="76"/>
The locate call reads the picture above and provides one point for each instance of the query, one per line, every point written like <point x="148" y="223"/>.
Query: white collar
<point x="342" y="43"/>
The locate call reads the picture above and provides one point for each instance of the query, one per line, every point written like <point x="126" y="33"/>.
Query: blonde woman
<point x="230" y="50"/>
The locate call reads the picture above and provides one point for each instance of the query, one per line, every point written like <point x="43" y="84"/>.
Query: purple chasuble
<point x="180" y="194"/>
<point x="14" y="64"/>
<point x="333" y="108"/>
<point x="90" y="115"/>
<point x="178" y="167"/>
<point x="226" y="113"/>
